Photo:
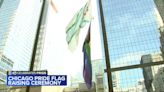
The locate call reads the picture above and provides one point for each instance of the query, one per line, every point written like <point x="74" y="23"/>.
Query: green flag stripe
<point x="77" y="23"/>
<point x="87" y="46"/>
<point x="74" y="28"/>
<point x="74" y="19"/>
<point x="73" y="22"/>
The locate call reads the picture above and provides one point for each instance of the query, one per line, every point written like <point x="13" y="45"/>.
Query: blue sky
<point x="132" y="32"/>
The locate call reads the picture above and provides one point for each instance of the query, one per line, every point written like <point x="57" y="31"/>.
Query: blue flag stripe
<point x="87" y="70"/>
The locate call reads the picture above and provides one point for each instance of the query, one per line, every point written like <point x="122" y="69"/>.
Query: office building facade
<point x="98" y="67"/>
<point x="17" y="40"/>
<point x="131" y="30"/>
<point x="161" y="29"/>
<point x="153" y="76"/>
<point x="20" y="42"/>
<point x="7" y="14"/>
<point x="158" y="80"/>
<point x="5" y="65"/>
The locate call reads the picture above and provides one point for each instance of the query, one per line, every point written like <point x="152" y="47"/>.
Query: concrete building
<point x="70" y="89"/>
<point x="116" y="79"/>
<point x="158" y="77"/>
<point x="98" y="67"/>
<point x="99" y="83"/>
<point x="160" y="7"/>
<point x="158" y="81"/>
<point x="99" y="75"/>
<point x="161" y="29"/>
<point x="149" y="73"/>
<point x="83" y="88"/>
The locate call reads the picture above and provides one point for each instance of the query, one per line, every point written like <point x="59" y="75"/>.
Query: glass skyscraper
<point x="7" y="14"/>
<point x="20" y="42"/>
<point x="19" y="21"/>
<point x="132" y="33"/>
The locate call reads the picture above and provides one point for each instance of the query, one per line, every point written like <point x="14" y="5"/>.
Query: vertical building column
<point x="38" y="38"/>
<point x="40" y="29"/>
<point x="107" y="59"/>
<point x="40" y="43"/>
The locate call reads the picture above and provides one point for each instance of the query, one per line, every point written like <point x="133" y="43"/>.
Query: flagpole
<point x="107" y="59"/>
<point x="53" y="5"/>
<point x="40" y="25"/>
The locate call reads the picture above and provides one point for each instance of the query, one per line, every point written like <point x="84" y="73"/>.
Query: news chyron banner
<point x="35" y="78"/>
